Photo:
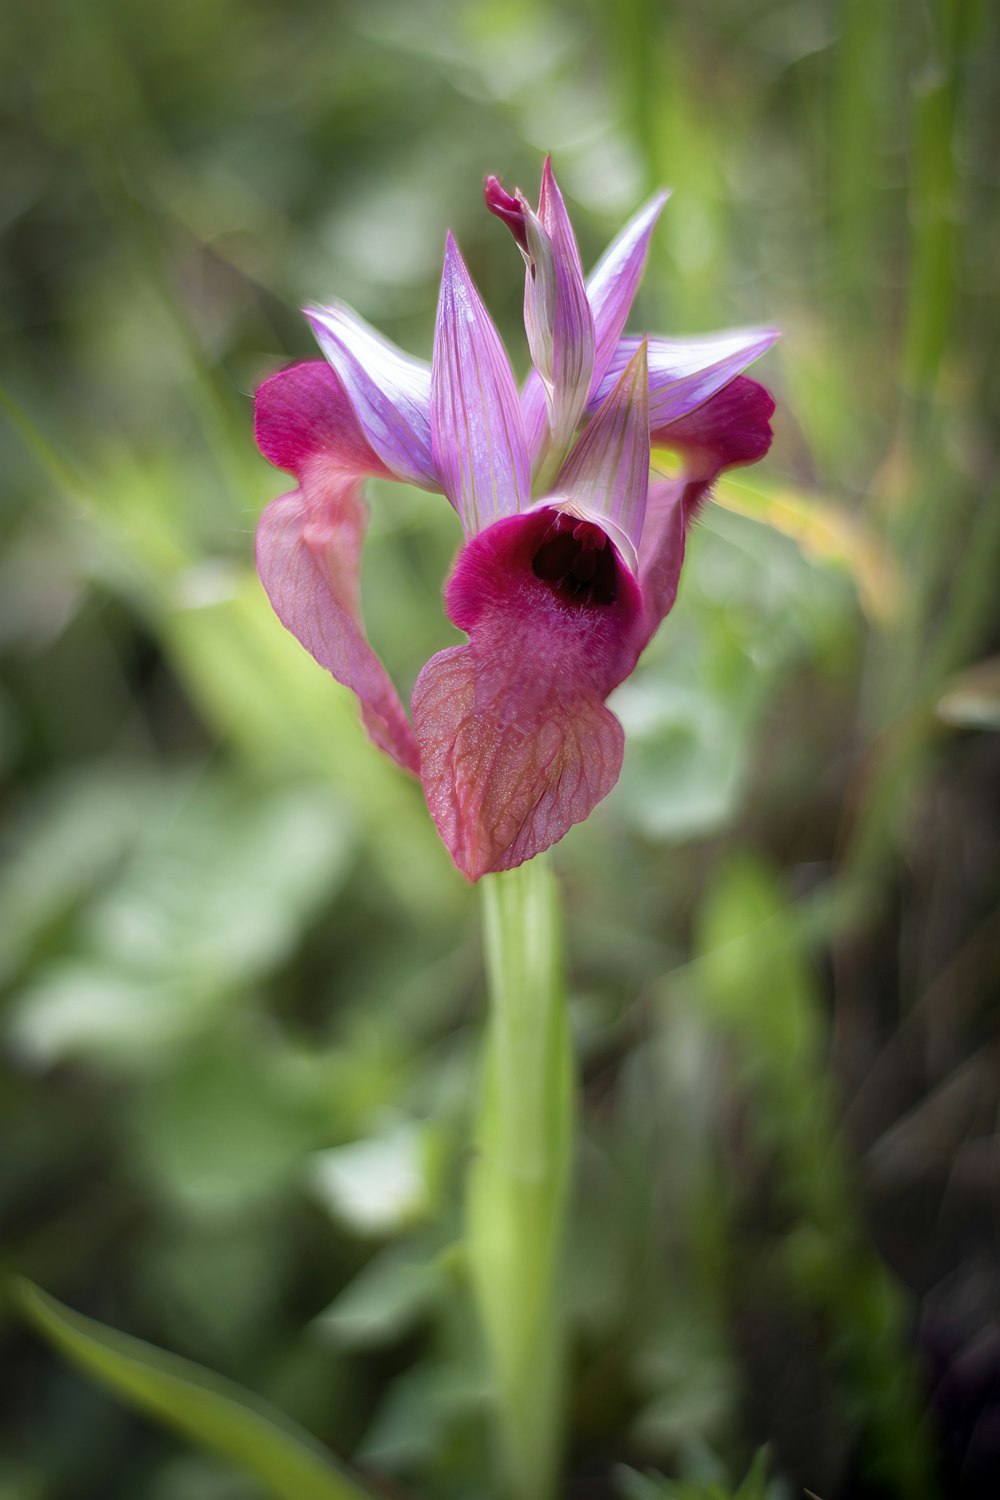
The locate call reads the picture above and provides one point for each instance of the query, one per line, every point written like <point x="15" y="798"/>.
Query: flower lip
<point x="576" y="560"/>
<point x="564" y="504"/>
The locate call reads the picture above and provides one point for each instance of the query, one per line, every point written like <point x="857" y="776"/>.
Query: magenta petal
<point x="390" y="392"/>
<point x="508" y="208"/>
<point x="661" y="555"/>
<point x="607" y="473"/>
<point x="302" y="413"/>
<point x="684" y="373"/>
<point x="309" y="542"/>
<point x="614" y="281"/>
<point x="477" y="437"/>
<point x="516" y="744"/>
<point x="732" y="428"/>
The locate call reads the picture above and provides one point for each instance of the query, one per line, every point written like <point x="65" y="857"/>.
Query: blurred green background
<point x="243" y="994"/>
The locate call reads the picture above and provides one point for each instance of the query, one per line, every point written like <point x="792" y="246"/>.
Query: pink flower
<point x="571" y="555"/>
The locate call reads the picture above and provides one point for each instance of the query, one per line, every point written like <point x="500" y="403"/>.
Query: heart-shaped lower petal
<point x="498" y="793"/>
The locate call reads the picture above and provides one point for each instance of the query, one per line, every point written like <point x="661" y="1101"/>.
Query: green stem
<point x="519" y="1178"/>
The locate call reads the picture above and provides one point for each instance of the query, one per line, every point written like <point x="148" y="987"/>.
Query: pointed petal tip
<point x="550" y="198"/>
<point x="317" y="317"/>
<point x="759" y="339"/>
<point x="454" y="266"/>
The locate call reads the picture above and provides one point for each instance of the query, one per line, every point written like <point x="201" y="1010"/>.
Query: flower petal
<point x="476" y="433"/>
<point x="614" y="281"/>
<point x="390" y="392"/>
<point x="516" y="744"/>
<point x="302" y="414"/>
<point x="611" y="289"/>
<point x="309" y="542"/>
<point x="557" y="313"/>
<point x="661" y="553"/>
<point x="684" y="373"/>
<point x="557" y="316"/>
<point x="732" y="428"/>
<point x="607" y="473"/>
<point x="509" y="207"/>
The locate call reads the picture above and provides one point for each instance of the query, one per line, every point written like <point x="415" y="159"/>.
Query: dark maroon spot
<point x="577" y="562"/>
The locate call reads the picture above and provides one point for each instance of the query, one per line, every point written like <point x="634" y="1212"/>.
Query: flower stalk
<point x="518" y="1182"/>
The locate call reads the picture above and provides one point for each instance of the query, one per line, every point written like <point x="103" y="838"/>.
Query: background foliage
<point x="243" y="994"/>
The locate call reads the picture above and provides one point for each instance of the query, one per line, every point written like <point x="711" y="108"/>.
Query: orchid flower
<point x="571" y="554"/>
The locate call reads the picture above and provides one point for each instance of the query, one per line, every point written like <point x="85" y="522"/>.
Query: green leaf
<point x="202" y="1406"/>
<point x="385" y="1299"/>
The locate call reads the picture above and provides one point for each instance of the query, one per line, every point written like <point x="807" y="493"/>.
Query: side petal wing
<point x="389" y="391"/>
<point x="685" y="373"/>
<point x="309" y="541"/>
<point x="733" y="428"/>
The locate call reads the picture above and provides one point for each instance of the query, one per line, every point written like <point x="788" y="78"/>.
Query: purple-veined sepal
<point x="685" y="373"/>
<point x="611" y="289"/>
<point x="557" y="316"/>
<point x="614" y="281"/>
<point x="390" y="392"/>
<point x="607" y="473"/>
<point x="477" y="438"/>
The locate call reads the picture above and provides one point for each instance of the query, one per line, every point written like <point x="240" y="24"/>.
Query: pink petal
<point x="516" y="744"/>
<point x="661" y="554"/>
<point x="390" y="392"/>
<point x="302" y="413"/>
<point x="477" y="437"/>
<point x="309" y="542"/>
<point x="508" y="208"/>
<point x="684" y="373"/>
<point x="607" y="473"/>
